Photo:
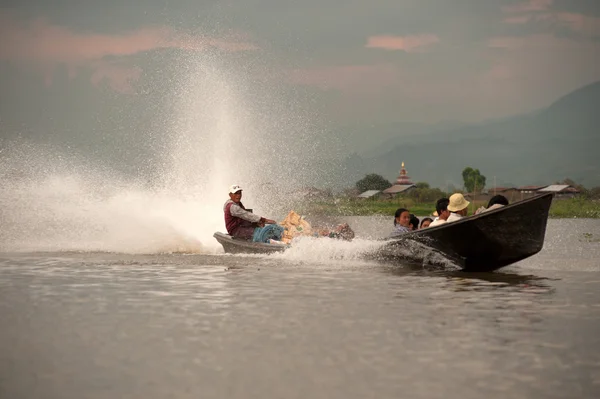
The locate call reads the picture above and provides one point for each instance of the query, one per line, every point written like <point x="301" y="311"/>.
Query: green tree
<point x="372" y="181"/>
<point x="572" y="183"/>
<point x="594" y="193"/>
<point x="425" y="194"/>
<point x="422" y="184"/>
<point x="473" y="179"/>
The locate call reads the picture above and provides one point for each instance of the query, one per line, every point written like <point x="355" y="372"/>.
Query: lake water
<point x="317" y="322"/>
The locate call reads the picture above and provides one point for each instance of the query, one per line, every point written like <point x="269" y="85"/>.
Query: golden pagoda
<point x="403" y="184"/>
<point x="403" y="178"/>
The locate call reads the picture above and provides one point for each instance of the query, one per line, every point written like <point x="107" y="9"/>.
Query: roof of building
<point x="499" y="189"/>
<point x="398" y="188"/>
<point x="529" y="188"/>
<point x="368" y="193"/>
<point x="555" y="188"/>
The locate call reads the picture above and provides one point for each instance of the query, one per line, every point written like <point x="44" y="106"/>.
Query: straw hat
<point x="457" y="203"/>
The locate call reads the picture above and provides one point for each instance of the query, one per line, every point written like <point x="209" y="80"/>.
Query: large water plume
<point x="227" y="129"/>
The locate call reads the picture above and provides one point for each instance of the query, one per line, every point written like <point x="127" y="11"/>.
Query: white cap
<point x="234" y="189"/>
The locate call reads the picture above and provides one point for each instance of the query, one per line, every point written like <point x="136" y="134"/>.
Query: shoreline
<point x="574" y="208"/>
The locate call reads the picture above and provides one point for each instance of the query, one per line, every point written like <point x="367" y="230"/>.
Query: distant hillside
<point x="555" y="143"/>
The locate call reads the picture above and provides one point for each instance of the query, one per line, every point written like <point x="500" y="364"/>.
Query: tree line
<point x="473" y="181"/>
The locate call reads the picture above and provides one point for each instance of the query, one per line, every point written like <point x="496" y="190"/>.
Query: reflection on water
<point x="97" y="325"/>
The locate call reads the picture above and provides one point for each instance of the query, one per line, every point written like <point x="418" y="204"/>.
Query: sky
<point x="362" y="61"/>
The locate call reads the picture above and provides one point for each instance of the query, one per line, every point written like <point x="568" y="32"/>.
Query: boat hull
<point x="487" y="241"/>
<point x="237" y="246"/>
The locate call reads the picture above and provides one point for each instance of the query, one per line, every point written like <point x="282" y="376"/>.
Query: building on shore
<point x="525" y="192"/>
<point x="372" y="194"/>
<point x="402" y="186"/>
<point x="511" y="193"/>
<point x="514" y="194"/>
<point x="560" y="191"/>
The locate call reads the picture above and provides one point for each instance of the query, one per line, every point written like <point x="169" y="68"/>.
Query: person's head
<point x="458" y="204"/>
<point x="414" y="222"/>
<point x="346" y="233"/>
<point x="402" y="217"/>
<point x="426" y="222"/>
<point x="498" y="200"/>
<point x="235" y="193"/>
<point x="441" y="207"/>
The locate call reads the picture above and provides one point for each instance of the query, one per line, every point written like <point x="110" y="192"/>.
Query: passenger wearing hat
<point x="458" y="207"/>
<point x="441" y="208"/>
<point x="239" y="222"/>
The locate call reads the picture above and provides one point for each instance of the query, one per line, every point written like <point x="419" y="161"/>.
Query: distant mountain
<point x="552" y="144"/>
<point x="409" y="133"/>
<point x="369" y="139"/>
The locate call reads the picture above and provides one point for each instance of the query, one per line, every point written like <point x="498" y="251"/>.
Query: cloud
<point x="119" y="77"/>
<point x="48" y="45"/>
<point x="405" y="43"/>
<point x="538" y="11"/>
<point x="530" y="67"/>
<point x="589" y="26"/>
<point x="498" y="72"/>
<point x="528" y="6"/>
<point x="532" y="41"/>
<point x="516" y="74"/>
<point x="519" y="19"/>
<point x="347" y="78"/>
<point x="579" y="23"/>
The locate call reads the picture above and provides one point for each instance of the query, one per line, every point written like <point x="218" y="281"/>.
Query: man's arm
<point x="237" y="211"/>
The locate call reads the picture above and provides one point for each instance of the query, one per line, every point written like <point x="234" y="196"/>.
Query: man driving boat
<point x="239" y="222"/>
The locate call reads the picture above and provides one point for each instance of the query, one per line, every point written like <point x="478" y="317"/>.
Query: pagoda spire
<point x="403" y="178"/>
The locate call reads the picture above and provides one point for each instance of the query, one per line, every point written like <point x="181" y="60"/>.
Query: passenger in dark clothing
<point x="414" y="222"/>
<point x="497" y="201"/>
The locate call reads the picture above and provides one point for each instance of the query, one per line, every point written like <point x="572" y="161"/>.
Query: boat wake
<point x="330" y="251"/>
<point x="325" y="250"/>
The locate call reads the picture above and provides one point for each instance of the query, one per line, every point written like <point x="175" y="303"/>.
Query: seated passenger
<point x="295" y="226"/>
<point x="497" y="201"/>
<point x="401" y="222"/>
<point x="441" y="207"/>
<point x="425" y="222"/>
<point x="458" y="207"/>
<point x="239" y="222"/>
<point x="414" y="222"/>
<point x="341" y="231"/>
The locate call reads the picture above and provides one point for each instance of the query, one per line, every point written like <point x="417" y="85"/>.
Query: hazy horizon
<point x="111" y="80"/>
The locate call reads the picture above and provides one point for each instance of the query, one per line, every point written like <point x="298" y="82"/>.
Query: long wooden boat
<point x="479" y="243"/>
<point x="483" y="242"/>
<point x="236" y="246"/>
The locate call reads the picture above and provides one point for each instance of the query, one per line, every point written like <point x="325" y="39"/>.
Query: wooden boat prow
<point x="487" y="241"/>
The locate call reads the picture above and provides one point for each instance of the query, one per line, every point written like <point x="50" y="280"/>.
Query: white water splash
<point x="54" y="200"/>
<point x="324" y="250"/>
